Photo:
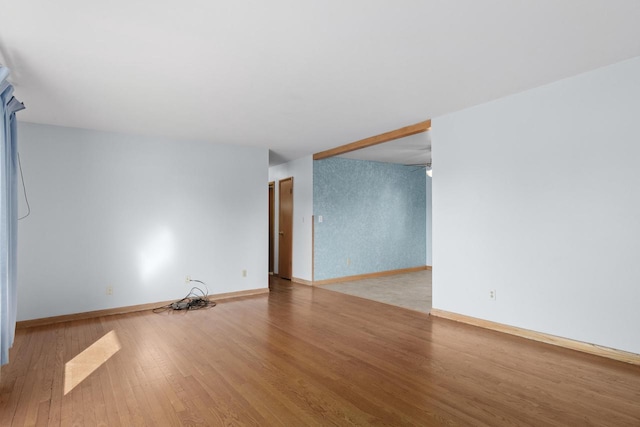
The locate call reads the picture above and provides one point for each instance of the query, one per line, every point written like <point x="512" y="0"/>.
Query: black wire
<point x="24" y="188"/>
<point x="193" y="300"/>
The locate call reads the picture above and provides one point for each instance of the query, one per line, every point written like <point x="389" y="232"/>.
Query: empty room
<point x="319" y="213"/>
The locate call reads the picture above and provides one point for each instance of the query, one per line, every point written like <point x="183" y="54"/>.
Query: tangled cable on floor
<point x="192" y="301"/>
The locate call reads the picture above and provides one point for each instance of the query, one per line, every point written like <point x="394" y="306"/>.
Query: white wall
<point x="137" y="214"/>
<point x="535" y="195"/>
<point x="302" y="172"/>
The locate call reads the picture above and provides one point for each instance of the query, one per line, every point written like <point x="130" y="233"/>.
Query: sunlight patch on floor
<point x="81" y="366"/>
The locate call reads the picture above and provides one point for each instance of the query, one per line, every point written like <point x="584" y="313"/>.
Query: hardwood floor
<point x="306" y="356"/>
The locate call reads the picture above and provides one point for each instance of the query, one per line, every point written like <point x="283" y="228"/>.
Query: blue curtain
<point x="8" y="214"/>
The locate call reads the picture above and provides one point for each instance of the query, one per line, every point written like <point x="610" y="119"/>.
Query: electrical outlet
<point x="244" y="273"/>
<point x="187" y="280"/>
<point x="348" y="261"/>
<point x="109" y="290"/>
<point x="492" y="294"/>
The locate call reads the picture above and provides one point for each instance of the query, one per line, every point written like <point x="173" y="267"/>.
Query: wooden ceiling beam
<point x="375" y="140"/>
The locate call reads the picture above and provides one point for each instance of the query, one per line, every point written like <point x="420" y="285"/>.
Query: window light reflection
<point x="80" y="367"/>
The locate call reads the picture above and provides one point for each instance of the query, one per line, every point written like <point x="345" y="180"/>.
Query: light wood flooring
<point x="408" y="290"/>
<point x="305" y="356"/>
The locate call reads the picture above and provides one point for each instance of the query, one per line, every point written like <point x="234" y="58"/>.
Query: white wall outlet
<point x="492" y="294"/>
<point x="187" y="279"/>
<point x="320" y="219"/>
<point x="348" y="261"/>
<point x="244" y="273"/>
<point x="109" y="290"/>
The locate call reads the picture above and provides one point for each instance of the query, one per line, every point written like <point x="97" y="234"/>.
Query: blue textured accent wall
<point x="373" y="217"/>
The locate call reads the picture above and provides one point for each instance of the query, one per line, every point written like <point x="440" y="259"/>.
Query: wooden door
<point x="285" y="234"/>
<point x="272" y="190"/>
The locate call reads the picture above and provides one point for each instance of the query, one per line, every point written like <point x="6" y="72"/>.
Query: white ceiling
<point x="295" y="76"/>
